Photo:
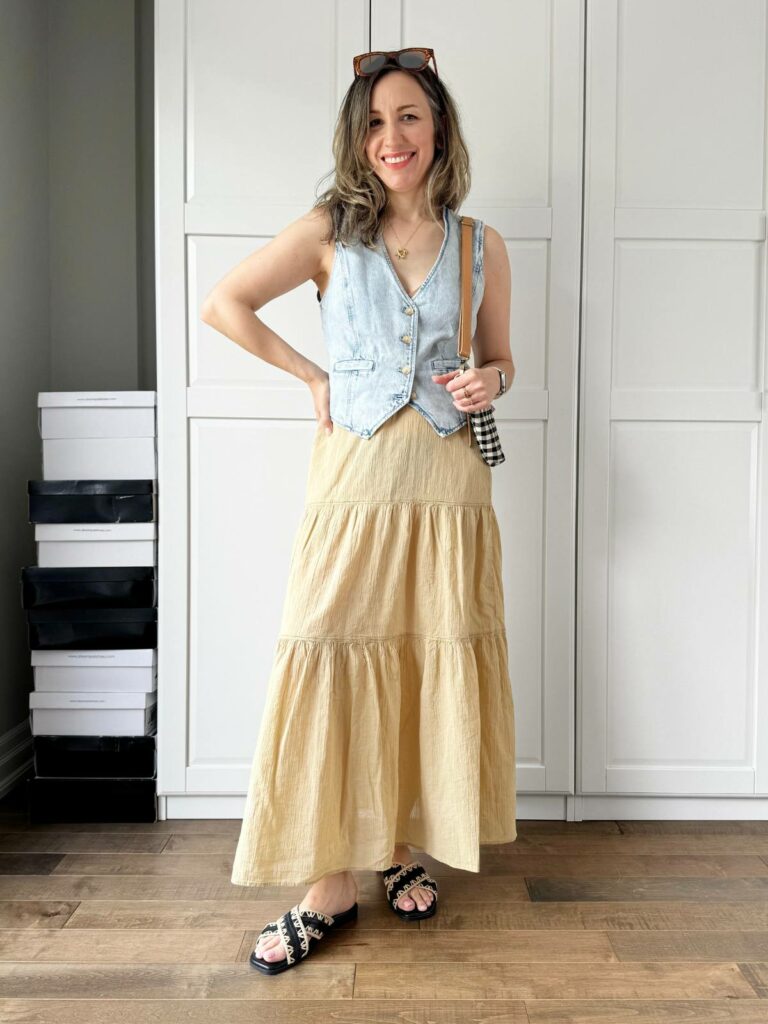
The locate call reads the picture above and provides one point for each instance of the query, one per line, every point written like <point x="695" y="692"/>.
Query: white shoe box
<point x="96" y="414"/>
<point x="98" y="435"/>
<point x="92" y="714"/>
<point x="113" y="671"/>
<point x="87" y="544"/>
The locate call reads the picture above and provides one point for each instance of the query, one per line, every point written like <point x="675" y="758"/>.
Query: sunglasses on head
<point x="414" y="58"/>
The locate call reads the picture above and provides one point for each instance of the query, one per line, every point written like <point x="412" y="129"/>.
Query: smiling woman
<point x="385" y="116"/>
<point x="392" y="647"/>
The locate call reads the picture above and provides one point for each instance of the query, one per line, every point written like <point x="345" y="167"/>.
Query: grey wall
<point x="24" y="335"/>
<point x="76" y="258"/>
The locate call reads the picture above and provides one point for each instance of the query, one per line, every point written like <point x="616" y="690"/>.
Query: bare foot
<point x="330" y="895"/>
<point x="418" y="895"/>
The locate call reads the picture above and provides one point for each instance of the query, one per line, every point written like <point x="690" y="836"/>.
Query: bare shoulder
<point x="493" y="242"/>
<point x="316" y="222"/>
<point x="307" y="233"/>
<point x="319" y="226"/>
<point x="495" y="256"/>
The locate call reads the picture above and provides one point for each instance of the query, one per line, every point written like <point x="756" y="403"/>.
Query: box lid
<point x="87" y="573"/>
<point x="91" y="614"/>
<point x="92" y="745"/>
<point x="91" y="487"/>
<point x="95" y="399"/>
<point x="108" y="658"/>
<point x="89" y="701"/>
<point x="95" y="531"/>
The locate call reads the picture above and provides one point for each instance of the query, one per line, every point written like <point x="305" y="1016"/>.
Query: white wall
<point x="76" y="257"/>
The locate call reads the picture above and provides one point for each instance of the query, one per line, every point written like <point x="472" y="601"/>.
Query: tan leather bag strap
<point x="465" y="310"/>
<point x="465" y="316"/>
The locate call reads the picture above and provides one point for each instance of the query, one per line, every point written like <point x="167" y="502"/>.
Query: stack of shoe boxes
<point x="91" y="607"/>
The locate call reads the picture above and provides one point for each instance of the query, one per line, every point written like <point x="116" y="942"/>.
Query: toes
<point x="275" y="952"/>
<point x="423" y="897"/>
<point x="418" y="898"/>
<point x="270" y="948"/>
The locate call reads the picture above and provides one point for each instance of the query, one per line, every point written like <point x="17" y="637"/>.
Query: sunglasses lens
<point x="372" y="63"/>
<point x="412" y="59"/>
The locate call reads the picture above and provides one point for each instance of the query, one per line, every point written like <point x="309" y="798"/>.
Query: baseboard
<point x="539" y="806"/>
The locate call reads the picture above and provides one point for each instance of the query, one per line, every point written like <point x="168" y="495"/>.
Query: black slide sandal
<point x="400" y="879"/>
<point x="300" y="932"/>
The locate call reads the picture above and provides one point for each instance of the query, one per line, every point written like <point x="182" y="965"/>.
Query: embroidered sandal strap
<point x="298" y="929"/>
<point x="401" y="878"/>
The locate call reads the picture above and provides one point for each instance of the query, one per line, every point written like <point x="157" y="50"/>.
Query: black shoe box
<point x="91" y="629"/>
<point x="104" y="757"/>
<point x="113" y="586"/>
<point x="92" y="800"/>
<point x="92" y="501"/>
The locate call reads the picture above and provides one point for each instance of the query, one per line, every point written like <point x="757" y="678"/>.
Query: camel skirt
<point x="389" y="715"/>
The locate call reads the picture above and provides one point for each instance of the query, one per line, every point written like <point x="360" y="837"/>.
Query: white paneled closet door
<point x="247" y="96"/>
<point x="673" y="478"/>
<point x="242" y="142"/>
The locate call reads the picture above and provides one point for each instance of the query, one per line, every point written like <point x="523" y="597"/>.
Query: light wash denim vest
<point x="384" y="345"/>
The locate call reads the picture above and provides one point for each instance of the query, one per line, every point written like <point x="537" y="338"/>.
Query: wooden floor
<point x="610" y="921"/>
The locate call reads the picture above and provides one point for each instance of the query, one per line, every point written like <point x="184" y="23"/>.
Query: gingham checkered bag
<point x="482" y="423"/>
<point x="486" y="432"/>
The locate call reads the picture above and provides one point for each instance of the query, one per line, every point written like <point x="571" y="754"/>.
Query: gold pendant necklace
<point x="402" y="252"/>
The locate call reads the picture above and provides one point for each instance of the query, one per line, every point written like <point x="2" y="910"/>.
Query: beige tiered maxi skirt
<point x="389" y="715"/>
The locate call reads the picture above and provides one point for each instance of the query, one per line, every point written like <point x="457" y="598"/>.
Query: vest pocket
<point x="355" y="365"/>
<point x="444" y="365"/>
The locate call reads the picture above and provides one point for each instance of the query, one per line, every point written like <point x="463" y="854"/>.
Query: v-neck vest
<point x="384" y="345"/>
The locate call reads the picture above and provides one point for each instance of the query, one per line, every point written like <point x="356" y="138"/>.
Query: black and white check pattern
<point x="485" y="430"/>
<point x="487" y="436"/>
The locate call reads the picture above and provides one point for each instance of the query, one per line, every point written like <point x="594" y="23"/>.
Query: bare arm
<point x="490" y="344"/>
<point x="491" y="341"/>
<point x="292" y="257"/>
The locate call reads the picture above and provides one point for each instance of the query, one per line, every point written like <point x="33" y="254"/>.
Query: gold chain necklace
<point x="402" y="252"/>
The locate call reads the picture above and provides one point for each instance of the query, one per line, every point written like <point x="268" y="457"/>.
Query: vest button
<point x="408" y="310"/>
<point x="405" y="369"/>
<point x="406" y="338"/>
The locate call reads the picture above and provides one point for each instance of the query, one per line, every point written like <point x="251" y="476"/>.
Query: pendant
<point x="402" y="253"/>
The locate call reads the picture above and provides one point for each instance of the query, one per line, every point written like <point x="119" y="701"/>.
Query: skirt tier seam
<point x="393" y="638"/>
<point x="403" y="501"/>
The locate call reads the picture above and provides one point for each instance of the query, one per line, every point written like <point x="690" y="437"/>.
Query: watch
<point x="502" y="382"/>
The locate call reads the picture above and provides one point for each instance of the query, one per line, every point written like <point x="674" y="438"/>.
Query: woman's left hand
<point x="482" y="385"/>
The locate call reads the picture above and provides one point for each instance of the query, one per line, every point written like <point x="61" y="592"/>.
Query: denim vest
<point x="384" y="345"/>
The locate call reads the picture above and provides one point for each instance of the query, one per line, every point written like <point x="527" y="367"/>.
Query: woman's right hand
<point x="320" y="386"/>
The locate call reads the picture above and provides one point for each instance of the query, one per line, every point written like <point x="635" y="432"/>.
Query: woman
<point x="389" y="718"/>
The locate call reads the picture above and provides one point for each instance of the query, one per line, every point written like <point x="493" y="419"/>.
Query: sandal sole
<point x="417" y="915"/>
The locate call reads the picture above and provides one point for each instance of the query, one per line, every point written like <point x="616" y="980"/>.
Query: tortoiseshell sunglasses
<point x="414" y="58"/>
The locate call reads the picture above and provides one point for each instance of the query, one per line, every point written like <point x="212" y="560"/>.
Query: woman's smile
<point x="398" y="159"/>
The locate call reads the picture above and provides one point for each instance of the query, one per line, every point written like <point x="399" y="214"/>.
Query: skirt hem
<point x="377" y="865"/>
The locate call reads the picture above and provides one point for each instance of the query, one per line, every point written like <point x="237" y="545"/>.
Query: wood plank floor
<point x="575" y="922"/>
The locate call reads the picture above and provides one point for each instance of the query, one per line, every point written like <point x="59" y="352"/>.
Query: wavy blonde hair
<point x="357" y="199"/>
